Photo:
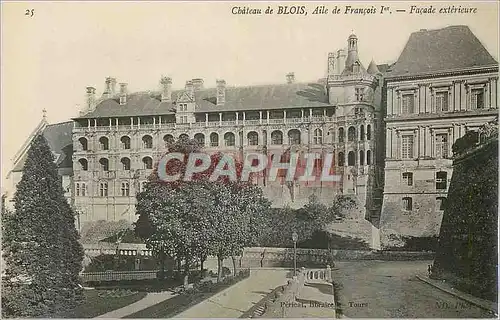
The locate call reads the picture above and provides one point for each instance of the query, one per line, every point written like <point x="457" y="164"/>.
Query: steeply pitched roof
<point x="237" y="99"/>
<point x="446" y="49"/>
<point x="59" y="138"/>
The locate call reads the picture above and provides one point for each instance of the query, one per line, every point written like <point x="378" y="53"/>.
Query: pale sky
<point x="49" y="59"/>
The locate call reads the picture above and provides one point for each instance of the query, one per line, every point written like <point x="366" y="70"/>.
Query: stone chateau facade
<point x="390" y="128"/>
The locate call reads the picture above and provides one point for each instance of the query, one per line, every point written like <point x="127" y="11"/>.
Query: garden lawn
<point x="95" y="305"/>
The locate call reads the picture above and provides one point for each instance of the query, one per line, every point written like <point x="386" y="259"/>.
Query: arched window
<point x="368" y="132"/>
<point x="84" y="165"/>
<point x="83" y="144"/>
<point x="147" y="162"/>
<point x="104" y="164"/>
<point x="355" y="67"/>
<point x="362" y="133"/>
<point x="318" y="136"/>
<point x="253" y="138"/>
<point x="168" y="139"/>
<point x="125" y="163"/>
<point x="351" y="158"/>
<point x="125" y="189"/>
<point x="147" y="142"/>
<point x="276" y="137"/>
<point x="103" y="189"/>
<point x="125" y="140"/>
<point x="361" y="157"/>
<point x="103" y="143"/>
<point x="341" y="159"/>
<point x="368" y="157"/>
<point x="229" y="139"/>
<point x="214" y="139"/>
<point x="294" y="137"/>
<point x="200" y="138"/>
<point x="341" y="135"/>
<point x="183" y="137"/>
<point x="351" y="134"/>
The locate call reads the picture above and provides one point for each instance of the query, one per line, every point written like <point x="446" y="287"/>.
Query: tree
<point x="41" y="249"/>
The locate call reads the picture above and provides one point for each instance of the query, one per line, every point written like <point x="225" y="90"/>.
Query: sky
<point x="49" y="58"/>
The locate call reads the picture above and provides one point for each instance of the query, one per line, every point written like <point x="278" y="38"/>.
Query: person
<point x="429" y="270"/>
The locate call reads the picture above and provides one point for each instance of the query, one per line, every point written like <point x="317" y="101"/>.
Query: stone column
<point x="428" y="102"/>
<point x="395" y="102"/>
<point x="302" y="114"/>
<point x="268" y="117"/>
<point x="487" y="99"/>
<point x="284" y="116"/>
<point x="389" y="101"/>
<point x="421" y="143"/>
<point x="395" y="143"/>
<point x="206" y="119"/>
<point x="463" y="96"/>
<point x="220" y="118"/>
<point x="388" y="141"/>
<point x="260" y="117"/>
<point x="494" y="93"/>
<point x="237" y="116"/>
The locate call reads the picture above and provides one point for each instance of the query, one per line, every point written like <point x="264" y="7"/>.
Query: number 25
<point x="30" y="12"/>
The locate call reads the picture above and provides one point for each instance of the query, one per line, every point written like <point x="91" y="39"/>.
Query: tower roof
<point x="372" y="68"/>
<point x="450" y="48"/>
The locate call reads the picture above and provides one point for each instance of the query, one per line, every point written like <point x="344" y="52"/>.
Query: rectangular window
<point x="407" y="103"/>
<point x="77" y="189"/>
<point x="441" y="145"/>
<point x="407" y="203"/>
<point x="103" y="189"/>
<point x="125" y="189"/>
<point x="441" y="180"/>
<point x="408" y="178"/>
<point x="440" y="203"/>
<point x="442" y="101"/>
<point x="360" y="94"/>
<point x="477" y="98"/>
<point x="84" y="189"/>
<point x="407" y="147"/>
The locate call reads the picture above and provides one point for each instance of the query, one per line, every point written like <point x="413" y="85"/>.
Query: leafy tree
<point x="40" y="242"/>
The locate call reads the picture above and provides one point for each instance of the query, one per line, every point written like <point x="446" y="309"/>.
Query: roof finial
<point x="44" y="112"/>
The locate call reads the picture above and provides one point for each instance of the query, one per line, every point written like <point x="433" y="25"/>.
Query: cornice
<point x="444" y="73"/>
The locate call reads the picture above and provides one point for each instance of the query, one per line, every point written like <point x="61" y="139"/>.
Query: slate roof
<point x="446" y="49"/>
<point x="59" y="138"/>
<point x="247" y="98"/>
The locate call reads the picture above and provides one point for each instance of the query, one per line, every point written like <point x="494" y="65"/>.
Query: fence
<point x="118" y="275"/>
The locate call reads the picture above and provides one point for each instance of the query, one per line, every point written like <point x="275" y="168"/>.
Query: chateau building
<point x="444" y="84"/>
<point x="390" y="129"/>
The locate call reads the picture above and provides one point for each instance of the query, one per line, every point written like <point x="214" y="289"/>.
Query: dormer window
<point x="355" y="67"/>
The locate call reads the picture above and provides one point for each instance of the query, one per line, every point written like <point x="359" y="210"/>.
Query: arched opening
<point x="229" y="139"/>
<point x="341" y="159"/>
<point x="214" y="139"/>
<point x="200" y="138"/>
<point x="104" y="164"/>
<point x="84" y="165"/>
<point x="351" y="158"/>
<point x="361" y="157"/>
<point x="294" y="137"/>
<point x="125" y="140"/>
<point x="125" y="163"/>
<point x="318" y="136"/>
<point x="253" y="138"/>
<point x="83" y="144"/>
<point x="351" y="134"/>
<point x="183" y="137"/>
<point x="147" y="163"/>
<point x="368" y="132"/>
<point x="341" y="135"/>
<point x="362" y="133"/>
<point x="104" y="143"/>
<point x="168" y="139"/>
<point x="368" y="157"/>
<point x="276" y="137"/>
<point x="147" y="142"/>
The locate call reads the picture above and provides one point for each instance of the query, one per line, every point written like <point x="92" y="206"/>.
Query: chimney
<point x="190" y="89"/>
<point x="331" y="71"/>
<point x="91" y="100"/>
<point x="221" y="92"/>
<point x="341" y="60"/>
<point x="290" y="78"/>
<point x="198" y="84"/>
<point x="166" y="92"/>
<point x="109" y="87"/>
<point x="123" y="94"/>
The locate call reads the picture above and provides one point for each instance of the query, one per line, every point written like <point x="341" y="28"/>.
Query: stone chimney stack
<point x="166" y="86"/>
<point x="91" y="99"/>
<point x="123" y="94"/>
<point x="198" y="84"/>
<point x="109" y="87"/>
<point x="331" y="71"/>
<point x="190" y="89"/>
<point x="221" y="92"/>
<point x="290" y="78"/>
<point x="341" y="60"/>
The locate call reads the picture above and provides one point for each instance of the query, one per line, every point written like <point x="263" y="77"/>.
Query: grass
<point x="181" y="302"/>
<point x="95" y="305"/>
